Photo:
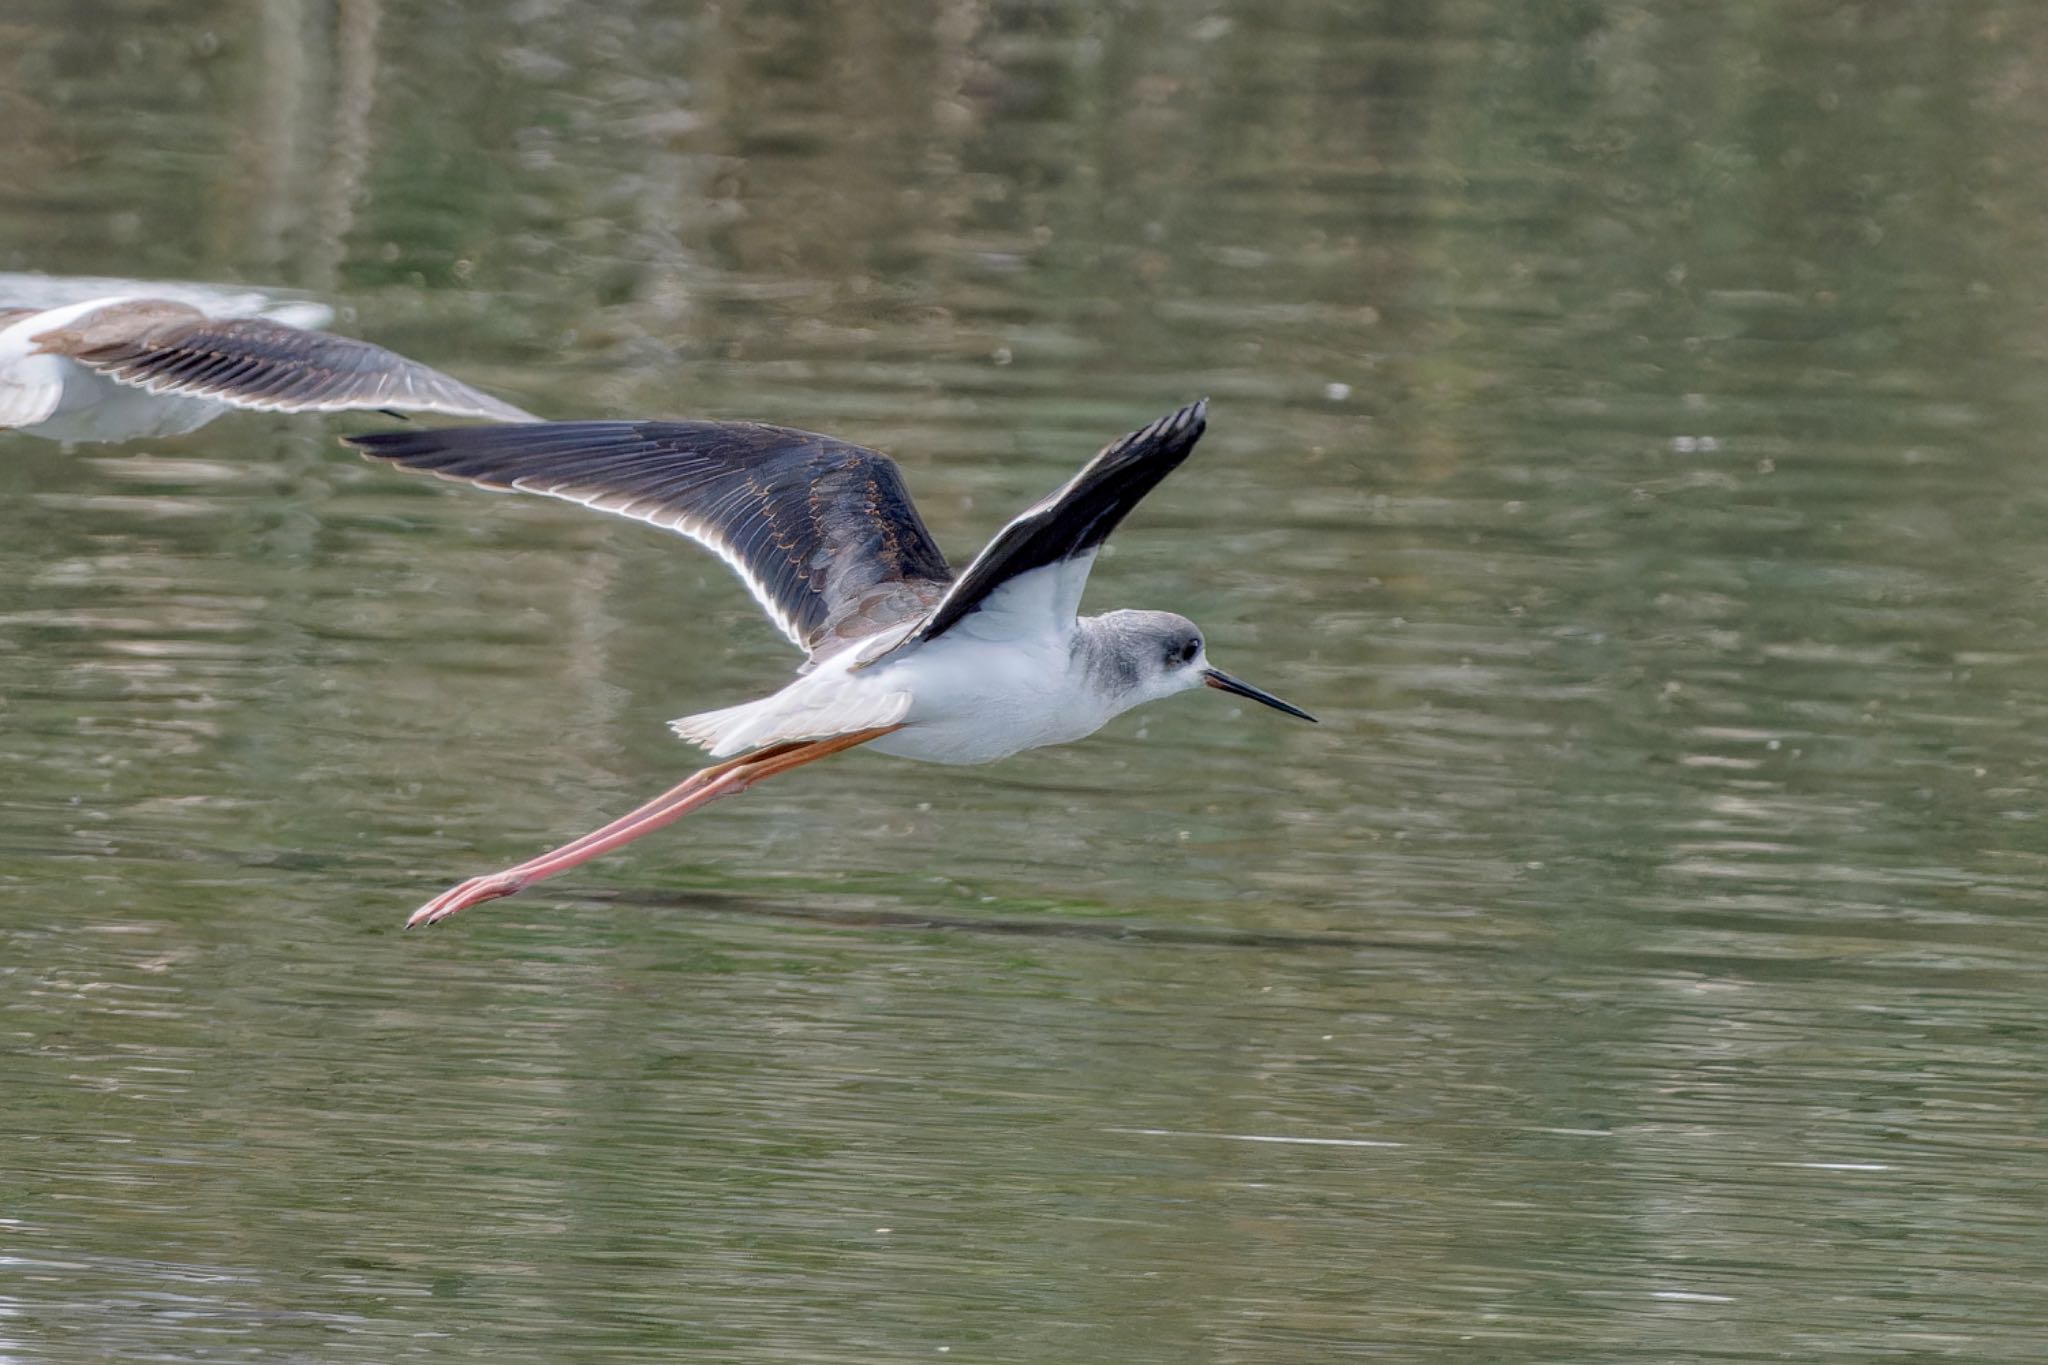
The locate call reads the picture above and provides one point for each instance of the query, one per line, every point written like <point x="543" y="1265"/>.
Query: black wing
<point x="1064" y="529"/>
<point x="270" y="367"/>
<point x="823" y="532"/>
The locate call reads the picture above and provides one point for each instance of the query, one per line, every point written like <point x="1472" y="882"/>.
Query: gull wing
<point x="164" y="347"/>
<point x="1032" y="573"/>
<point x="823" y="532"/>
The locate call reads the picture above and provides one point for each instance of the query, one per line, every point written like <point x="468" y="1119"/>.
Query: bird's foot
<point x="458" y="898"/>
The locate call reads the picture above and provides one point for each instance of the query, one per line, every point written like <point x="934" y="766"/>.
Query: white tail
<point x="789" y="715"/>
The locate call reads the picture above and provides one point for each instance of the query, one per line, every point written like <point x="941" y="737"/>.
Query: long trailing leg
<point x="700" y="788"/>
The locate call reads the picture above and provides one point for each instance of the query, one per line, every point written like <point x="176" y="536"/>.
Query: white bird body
<point x="905" y="656"/>
<point x="96" y="409"/>
<point x="1014" y="675"/>
<point x="50" y="395"/>
<point x="956" y="700"/>
<point x="976" y="700"/>
<point x="119" y="367"/>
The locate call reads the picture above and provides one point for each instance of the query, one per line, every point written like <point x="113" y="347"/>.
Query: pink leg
<point x="698" y="789"/>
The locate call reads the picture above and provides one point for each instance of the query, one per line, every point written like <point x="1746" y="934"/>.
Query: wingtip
<point x="1183" y="426"/>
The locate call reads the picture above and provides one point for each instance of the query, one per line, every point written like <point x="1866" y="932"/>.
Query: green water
<point x="1626" y="438"/>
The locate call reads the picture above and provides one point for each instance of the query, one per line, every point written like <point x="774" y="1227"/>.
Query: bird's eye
<point x="1189" y="650"/>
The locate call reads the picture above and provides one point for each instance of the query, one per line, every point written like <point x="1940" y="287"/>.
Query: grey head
<point x="1140" y="656"/>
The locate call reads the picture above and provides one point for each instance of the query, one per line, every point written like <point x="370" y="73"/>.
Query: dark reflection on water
<point x="1625" y="440"/>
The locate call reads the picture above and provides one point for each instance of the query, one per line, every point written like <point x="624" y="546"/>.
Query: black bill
<point x="1223" y="682"/>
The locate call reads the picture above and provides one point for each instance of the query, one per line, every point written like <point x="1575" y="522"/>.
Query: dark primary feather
<point x="823" y="531"/>
<point x="1075" y="519"/>
<point x="256" y="363"/>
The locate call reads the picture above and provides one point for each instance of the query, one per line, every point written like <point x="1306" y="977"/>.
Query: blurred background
<point x="1625" y="437"/>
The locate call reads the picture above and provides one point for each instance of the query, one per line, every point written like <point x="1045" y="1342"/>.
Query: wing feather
<point x="1064" y="530"/>
<point x="264" y="365"/>
<point x="822" y="532"/>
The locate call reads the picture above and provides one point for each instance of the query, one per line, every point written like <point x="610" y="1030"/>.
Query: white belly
<point x="977" y="701"/>
<point x="95" y="408"/>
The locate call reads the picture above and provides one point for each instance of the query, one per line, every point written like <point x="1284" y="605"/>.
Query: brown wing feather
<point x="822" y="531"/>
<point x="169" y="348"/>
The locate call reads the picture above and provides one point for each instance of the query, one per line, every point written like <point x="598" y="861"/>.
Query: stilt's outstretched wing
<point x="1035" y="568"/>
<point x="171" y="348"/>
<point x="823" y="532"/>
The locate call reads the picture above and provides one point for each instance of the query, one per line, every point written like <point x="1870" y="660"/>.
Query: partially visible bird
<point x="903" y="655"/>
<point x="125" y="366"/>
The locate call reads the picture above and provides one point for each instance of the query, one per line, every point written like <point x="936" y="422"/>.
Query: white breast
<point x="975" y="701"/>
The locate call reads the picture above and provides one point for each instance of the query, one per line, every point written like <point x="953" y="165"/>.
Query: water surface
<point x="1625" y="439"/>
